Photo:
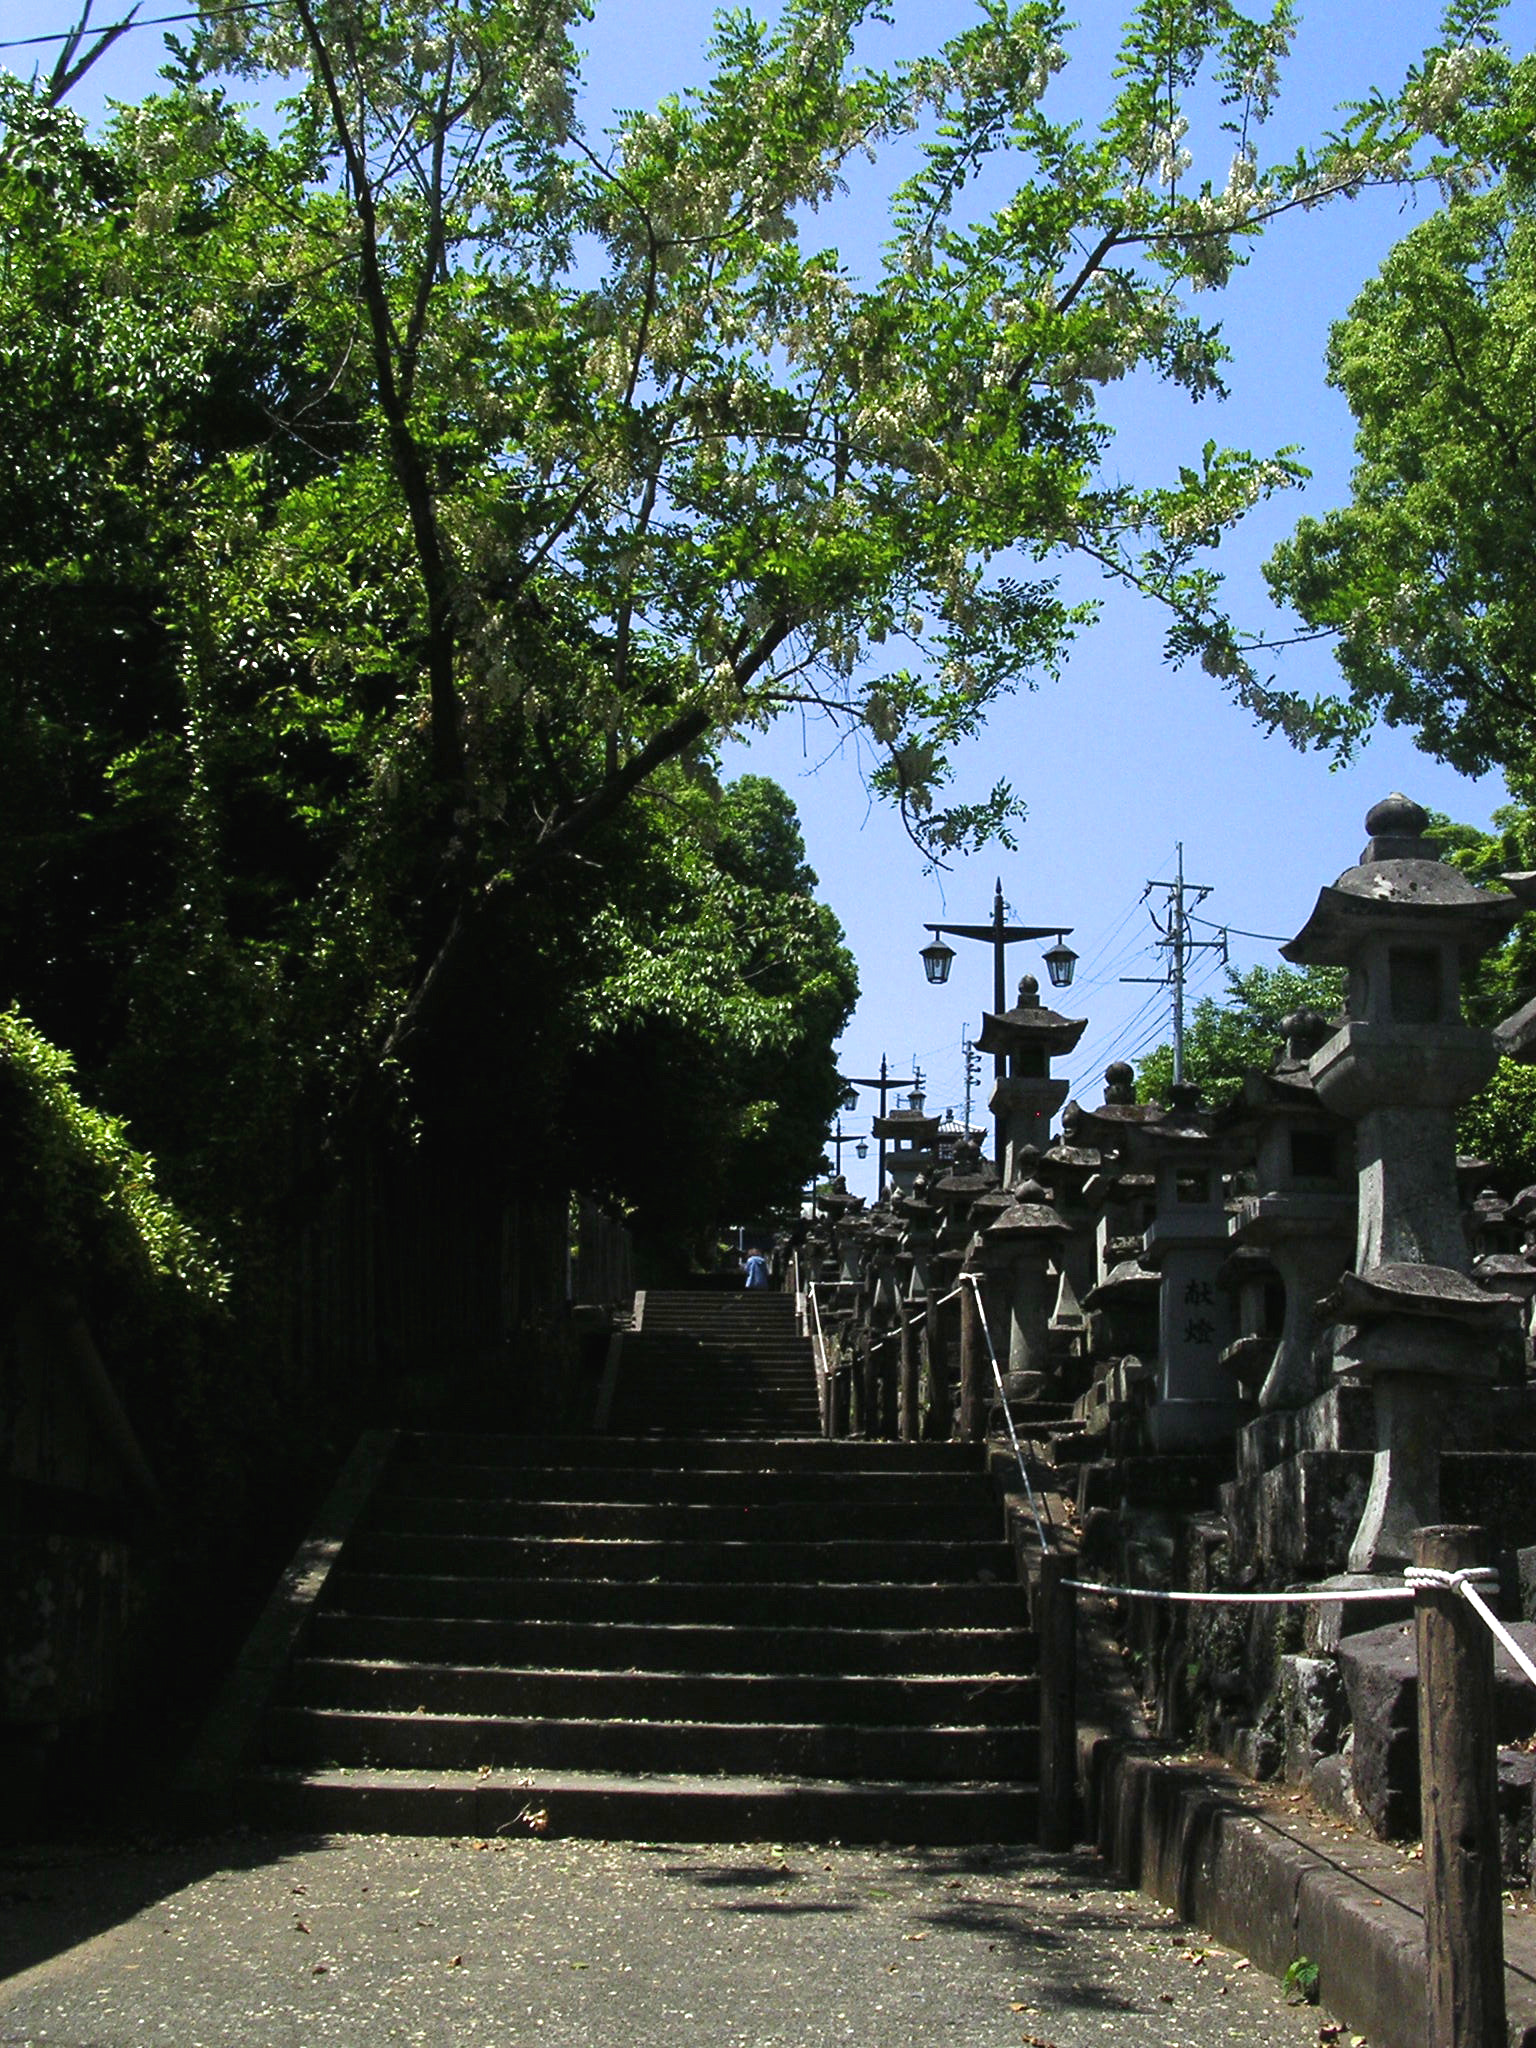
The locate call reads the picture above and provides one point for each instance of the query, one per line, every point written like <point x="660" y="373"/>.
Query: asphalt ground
<point x="257" y="1942"/>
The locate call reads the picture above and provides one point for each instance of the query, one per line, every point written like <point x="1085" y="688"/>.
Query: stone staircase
<point x="685" y="1637"/>
<point x="714" y="1364"/>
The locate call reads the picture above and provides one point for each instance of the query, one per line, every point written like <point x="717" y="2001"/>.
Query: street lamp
<point x="1060" y="961"/>
<point x="838" y="1139"/>
<point x="936" y="958"/>
<point x="886" y="1082"/>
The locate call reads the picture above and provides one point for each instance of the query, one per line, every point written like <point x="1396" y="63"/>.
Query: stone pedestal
<point x="1418" y="1336"/>
<point x="1197" y="1401"/>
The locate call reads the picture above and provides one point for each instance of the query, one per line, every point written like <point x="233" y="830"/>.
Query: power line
<point x="118" y="28"/>
<point x="1278" y="938"/>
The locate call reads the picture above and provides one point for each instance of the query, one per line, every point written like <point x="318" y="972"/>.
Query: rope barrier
<point x="1301" y="1597"/>
<point x="1466" y="1583"/>
<point x="1002" y="1395"/>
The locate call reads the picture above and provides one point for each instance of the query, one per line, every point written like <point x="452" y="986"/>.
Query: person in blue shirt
<point x="757" y="1270"/>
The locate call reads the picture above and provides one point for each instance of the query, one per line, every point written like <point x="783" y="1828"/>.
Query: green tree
<point x="653" y="463"/>
<point x="1223" y="1041"/>
<point x="1427" y="578"/>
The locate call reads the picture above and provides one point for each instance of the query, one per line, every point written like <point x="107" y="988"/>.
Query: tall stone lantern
<point x="1407" y="1320"/>
<point x="1027" y="1096"/>
<point x="1405" y="926"/>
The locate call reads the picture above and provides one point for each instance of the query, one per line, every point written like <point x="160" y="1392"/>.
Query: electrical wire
<point x="1237" y="932"/>
<point x="116" y="28"/>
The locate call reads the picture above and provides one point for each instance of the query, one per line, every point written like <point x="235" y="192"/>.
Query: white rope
<point x="1301" y="1597"/>
<point x="823" y="1370"/>
<point x="1466" y="1582"/>
<point x="1002" y="1394"/>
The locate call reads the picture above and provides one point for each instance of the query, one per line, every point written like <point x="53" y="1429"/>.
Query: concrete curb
<point x="1270" y="1882"/>
<point x="203" y="1796"/>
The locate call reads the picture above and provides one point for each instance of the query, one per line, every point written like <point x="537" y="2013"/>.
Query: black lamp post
<point x="839" y="1138"/>
<point x="1060" y="961"/>
<point x="885" y="1082"/>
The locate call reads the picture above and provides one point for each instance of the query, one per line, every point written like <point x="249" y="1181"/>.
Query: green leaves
<point x="1427" y="578"/>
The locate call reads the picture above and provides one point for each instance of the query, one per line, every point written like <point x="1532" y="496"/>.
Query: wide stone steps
<point x="715" y="1364"/>
<point x="713" y="1648"/>
<point x="724" y="1486"/>
<point x="676" y="1807"/>
<point x="849" y="1561"/>
<point x="718" y="1633"/>
<point x="688" y="1522"/>
<point x="339" y="1737"/>
<point x="410" y="1686"/>
<point x="662" y="1603"/>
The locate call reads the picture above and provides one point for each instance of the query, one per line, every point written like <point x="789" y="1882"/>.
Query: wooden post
<point x="1056" y="1636"/>
<point x="1458" y="1793"/>
<point x="974" y="1377"/>
<point x="868" y="1425"/>
<point x="889" y="1357"/>
<point x="909" y="1376"/>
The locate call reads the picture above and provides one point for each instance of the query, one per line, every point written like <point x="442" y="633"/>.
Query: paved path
<point x="256" y="1943"/>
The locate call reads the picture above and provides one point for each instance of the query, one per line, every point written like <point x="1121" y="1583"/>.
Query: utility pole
<point x="972" y="1071"/>
<point x="1175" y="938"/>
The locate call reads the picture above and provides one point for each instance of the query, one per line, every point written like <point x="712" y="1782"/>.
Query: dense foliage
<point x="1427" y="579"/>
<point x="399" y="504"/>
<point x="1223" y="1041"/>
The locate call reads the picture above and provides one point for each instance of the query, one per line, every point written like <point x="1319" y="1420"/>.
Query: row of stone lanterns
<point x="1210" y="1267"/>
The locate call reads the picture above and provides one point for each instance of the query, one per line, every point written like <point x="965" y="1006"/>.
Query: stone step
<point x="671" y="1646"/>
<point x="905" y="1493"/>
<point x="791" y="1454"/>
<point x="687" y="1521"/>
<point x="404" y="1686"/>
<point x="309" y="1736"/>
<point x="673" y="1807"/>
<point x="658" y="1603"/>
<point x="890" y="1561"/>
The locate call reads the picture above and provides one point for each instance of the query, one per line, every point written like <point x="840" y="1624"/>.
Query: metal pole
<point x="999" y="1004"/>
<point x="1178" y="969"/>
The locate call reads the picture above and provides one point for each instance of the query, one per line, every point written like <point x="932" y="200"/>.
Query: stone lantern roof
<point x="915" y="1125"/>
<point x="1400" y="884"/>
<point x="1104" y="1127"/>
<point x="970" y="1177"/>
<point x="1029" y="1023"/>
<point x="837" y="1202"/>
<point x="1127" y="1280"/>
<point x="1028" y="1215"/>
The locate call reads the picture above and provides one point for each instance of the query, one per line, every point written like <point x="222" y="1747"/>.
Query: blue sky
<point x="1122" y="758"/>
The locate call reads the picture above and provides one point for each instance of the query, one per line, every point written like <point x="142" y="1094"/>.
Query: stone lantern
<point x="1302" y="1213"/>
<point x="1026" y="1097"/>
<point x="1408" y="1320"/>
<point x="920" y="1215"/>
<point x="1015" y="1250"/>
<point x="911" y="1136"/>
<point x="1403" y="1062"/>
<point x="1197" y="1401"/>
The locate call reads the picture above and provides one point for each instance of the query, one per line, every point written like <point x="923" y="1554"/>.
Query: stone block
<point x="1309" y="1508"/>
<point x="1311" y="1713"/>
<point x="1517" y="1787"/>
<point x="1381" y="1676"/>
<point x="1342" y="1418"/>
<point x="1496" y="1489"/>
<point x="1381" y="1679"/>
